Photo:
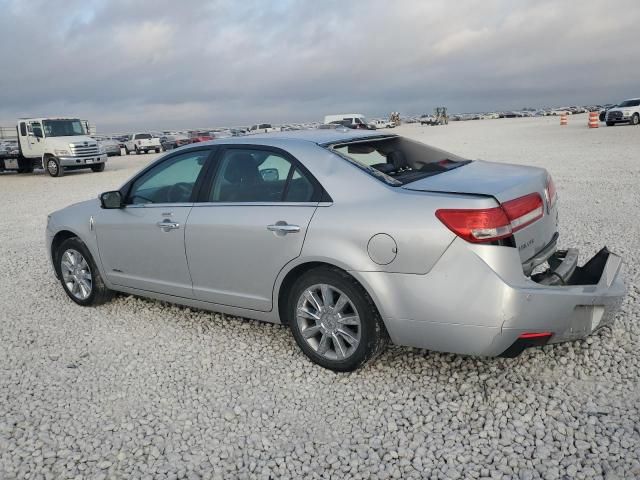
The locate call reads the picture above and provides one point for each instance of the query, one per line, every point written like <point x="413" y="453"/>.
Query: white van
<point x="351" y="120"/>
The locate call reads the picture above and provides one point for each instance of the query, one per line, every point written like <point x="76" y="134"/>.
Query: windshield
<point x="63" y="128"/>
<point x="630" y="103"/>
<point x="397" y="160"/>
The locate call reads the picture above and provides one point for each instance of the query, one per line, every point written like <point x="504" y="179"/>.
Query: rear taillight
<point x="550" y="192"/>
<point x="523" y="211"/>
<point x="490" y="224"/>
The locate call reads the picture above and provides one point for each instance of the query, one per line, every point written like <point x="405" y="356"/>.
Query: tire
<point x="25" y="165"/>
<point x="74" y="277"/>
<point x="610" y="124"/>
<point x="357" y="320"/>
<point x="138" y="152"/>
<point x="53" y="167"/>
<point x="635" y="120"/>
<point x="603" y="116"/>
<point x="99" y="167"/>
<point x="157" y="150"/>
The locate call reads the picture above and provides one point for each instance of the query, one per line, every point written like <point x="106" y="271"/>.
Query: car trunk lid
<point x="505" y="183"/>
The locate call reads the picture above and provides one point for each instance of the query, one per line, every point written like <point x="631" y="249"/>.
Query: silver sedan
<point x="351" y="238"/>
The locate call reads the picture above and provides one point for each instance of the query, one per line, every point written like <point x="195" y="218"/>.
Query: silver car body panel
<point x="437" y="291"/>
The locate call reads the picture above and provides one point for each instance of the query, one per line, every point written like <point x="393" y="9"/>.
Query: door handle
<point x="282" y="228"/>
<point x="167" y="225"/>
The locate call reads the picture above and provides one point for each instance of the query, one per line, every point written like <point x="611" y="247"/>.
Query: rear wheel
<point x="98" y="167"/>
<point x="79" y="275"/>
<point x="635" y="120"/>
<point x="54" y="168"/>
<point x="334" y="321"/>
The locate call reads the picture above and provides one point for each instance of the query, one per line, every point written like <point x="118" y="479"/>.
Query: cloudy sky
<point x="159" y="64"/>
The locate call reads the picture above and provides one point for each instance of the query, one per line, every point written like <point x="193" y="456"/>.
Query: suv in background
<point x="626" y="112"/>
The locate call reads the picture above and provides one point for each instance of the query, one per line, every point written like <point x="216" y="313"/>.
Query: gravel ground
<point x="142" y="389"/>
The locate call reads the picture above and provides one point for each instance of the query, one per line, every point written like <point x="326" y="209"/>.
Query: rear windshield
<point x="397" y="160"/>
<point x="143" y="136"/>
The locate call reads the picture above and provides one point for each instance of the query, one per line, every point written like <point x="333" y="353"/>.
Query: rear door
<point x="252" y="221"/>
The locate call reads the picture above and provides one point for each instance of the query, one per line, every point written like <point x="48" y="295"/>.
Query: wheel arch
<point x="57" y="240"/>
<point x="295" y="271"/>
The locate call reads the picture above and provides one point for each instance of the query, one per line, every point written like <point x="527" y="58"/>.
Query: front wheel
<point x="610" y="124"/>
<point x="98" y="167"/>
<point x="79" y="275"/>
<point x="334" y="321"/>
<point x="635" y="120"/>
<point x="54" y="168"/>
<point x="157" y="150"/>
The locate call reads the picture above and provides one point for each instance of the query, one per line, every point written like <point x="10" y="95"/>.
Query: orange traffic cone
<point x="563" y="118"/>
<point x="594" y="122"/>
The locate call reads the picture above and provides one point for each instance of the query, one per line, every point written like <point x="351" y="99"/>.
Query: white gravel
<point x="141" y="389"/>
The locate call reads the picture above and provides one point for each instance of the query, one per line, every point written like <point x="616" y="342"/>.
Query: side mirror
<point x="270" y="174"/>
<point x="111" y="200"/>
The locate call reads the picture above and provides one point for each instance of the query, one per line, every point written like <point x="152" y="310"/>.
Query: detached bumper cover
<point x="477" y="300"/>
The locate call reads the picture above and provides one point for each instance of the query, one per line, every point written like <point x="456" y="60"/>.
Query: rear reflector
<point x="490" y="224"/>
<point x="530" y="335"/>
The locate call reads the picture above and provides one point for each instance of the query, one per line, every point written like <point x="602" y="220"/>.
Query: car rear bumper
<point x="477" y="300"/>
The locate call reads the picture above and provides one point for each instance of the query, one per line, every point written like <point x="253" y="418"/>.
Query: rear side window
<point x="254" y="175"/>
<point x="23" y="129"/>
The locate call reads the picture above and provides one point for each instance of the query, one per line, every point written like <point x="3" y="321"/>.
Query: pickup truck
<point x="142" y="143"/>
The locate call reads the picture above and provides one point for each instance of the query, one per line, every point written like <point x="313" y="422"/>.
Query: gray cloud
<point x="167" y="64"/>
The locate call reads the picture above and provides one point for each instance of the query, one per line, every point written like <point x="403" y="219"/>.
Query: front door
<point x="142" y="245"/>
<point x="253" y="222"/>
<point x="31" y="138"/>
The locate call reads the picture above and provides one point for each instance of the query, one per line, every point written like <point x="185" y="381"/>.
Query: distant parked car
<point x="382" y="124"/>
<point x="171" y="142"/>
<point x="142" y="143"/>
<point x="627" y="112"/>
<point x="262" y="128"/>
<point x="111" y="147"/>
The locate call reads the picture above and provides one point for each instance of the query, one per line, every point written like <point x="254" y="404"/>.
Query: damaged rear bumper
<point x="594" y="292"/>
<point x="477" y="300"/>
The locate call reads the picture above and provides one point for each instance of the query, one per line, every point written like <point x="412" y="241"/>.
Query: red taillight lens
<point x="489" y="224"/>
<point x="476" y="226"/>
<point x="523" y="211"/>
<point x="550" y="191"/>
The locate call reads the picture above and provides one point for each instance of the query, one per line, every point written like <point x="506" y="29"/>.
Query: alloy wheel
<point x="328" y="321"/>
<point x="52" y="166"/>
<point x="76" y="274"/>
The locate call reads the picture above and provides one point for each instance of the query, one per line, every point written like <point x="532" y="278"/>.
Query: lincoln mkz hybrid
<point x="351" y="238"/>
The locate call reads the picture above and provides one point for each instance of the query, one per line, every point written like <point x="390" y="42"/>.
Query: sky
<point x="167" y="64"/>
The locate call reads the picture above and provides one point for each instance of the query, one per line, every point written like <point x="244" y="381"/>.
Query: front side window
<point x="252" y="175"/>
<point x="171" y="181"/>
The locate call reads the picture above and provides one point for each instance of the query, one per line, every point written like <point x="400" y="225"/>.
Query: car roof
<point x="317" y="136"/>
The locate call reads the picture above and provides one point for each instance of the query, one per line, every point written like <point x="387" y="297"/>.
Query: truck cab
<point x="56" y="144"/>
